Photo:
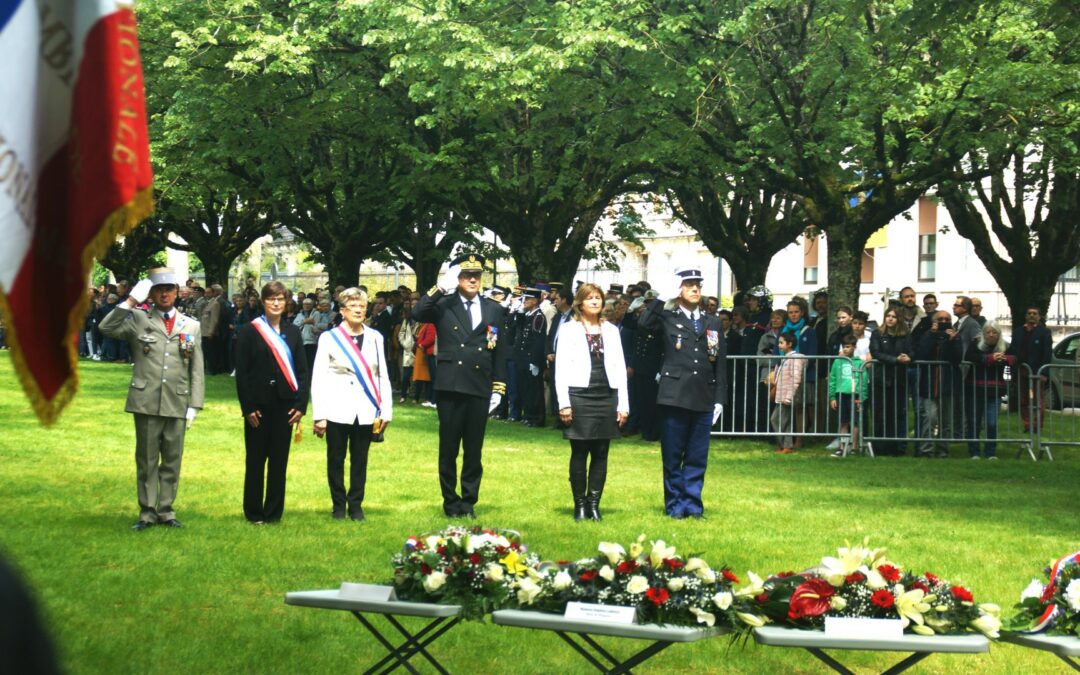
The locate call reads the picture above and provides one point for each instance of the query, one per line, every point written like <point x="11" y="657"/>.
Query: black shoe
<point x="337" y="515"/>
<point x="173" y="522"/>
<point x="697" y="516"/>
<point x="530" y="424"/>
<point x="357" y="515"/>
<point x="497" y="416"/>
<point x="142" y="525"/>
<point x="468" y="513"/>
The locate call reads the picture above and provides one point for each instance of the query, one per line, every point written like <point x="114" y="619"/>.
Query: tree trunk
<point x="845" y="269"/>
<point x="749" y="271"/>
<point x="216" y="267"/>
<point x="342" y="270"/>
<point x="427" y="273"/>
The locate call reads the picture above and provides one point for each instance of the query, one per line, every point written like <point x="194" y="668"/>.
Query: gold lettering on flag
<point x="17" y="182"/>
<point x="126" y="137"/>
<point x="57" y="45"/>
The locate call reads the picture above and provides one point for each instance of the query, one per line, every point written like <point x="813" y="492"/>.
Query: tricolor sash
<point x="359" y="366"/>
<point x="1052" y="611"/>
<point x="279" y="349"/>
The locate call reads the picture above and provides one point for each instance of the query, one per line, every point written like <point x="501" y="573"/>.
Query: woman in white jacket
<point x="351" y="400"/>
<point x="590" y="383"/>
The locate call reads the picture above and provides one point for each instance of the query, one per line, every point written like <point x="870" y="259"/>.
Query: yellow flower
<point x="923" y="630"/>
<point x="513" y="563"/>
<point x="636" y="548"/>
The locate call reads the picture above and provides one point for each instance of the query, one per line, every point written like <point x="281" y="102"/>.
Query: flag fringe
<point x="119" y="223"/>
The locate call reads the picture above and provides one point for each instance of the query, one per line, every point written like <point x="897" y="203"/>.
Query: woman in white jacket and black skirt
<point x="590" y="383"/>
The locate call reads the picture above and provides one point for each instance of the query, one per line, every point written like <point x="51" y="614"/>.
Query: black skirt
<point x="594" y="408"/>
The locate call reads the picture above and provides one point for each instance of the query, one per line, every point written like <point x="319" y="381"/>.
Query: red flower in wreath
<point x="658" y="596"/>
<point x="883" y="599"/>
<point x="855" y="578"/>
<point x="626" y="567"/>
<point x="425" y="569"/>
<point x="932" y="578"/>
<point x="673" y="564"/>
<point x="889" y="573"/>
<point x="730" y="576"/>
<point x="921" y="586"/>
<point x="475" y="558"/>
<point x="589" y="575"/>
<point x="811" y="598"/>
<point x="962" y="594"/>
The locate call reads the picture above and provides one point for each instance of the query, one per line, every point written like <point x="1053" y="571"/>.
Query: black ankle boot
<point x="592" y="505"/>
<point x="580" y="508"/>
<point x="577" y="489"/>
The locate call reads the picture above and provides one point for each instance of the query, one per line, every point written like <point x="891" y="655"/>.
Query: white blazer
<point x="573" y="362"/>
<point x="336" y="395"/>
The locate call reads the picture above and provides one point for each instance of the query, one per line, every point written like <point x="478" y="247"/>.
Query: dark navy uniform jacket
<point x="469" y="360"/>
<point x="530" y="340"/>
<point x="693" y="374"/>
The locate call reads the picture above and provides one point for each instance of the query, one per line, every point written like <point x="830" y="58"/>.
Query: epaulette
<point x="434" y="291"/>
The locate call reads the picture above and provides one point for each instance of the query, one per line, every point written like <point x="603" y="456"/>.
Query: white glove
<point x="717" y="410"/>
<point x="191" y="412"/>
<point x="658" y="378"/>
<point x="141" y="291"/>
<point x="496" y="399"/>
<point x="533" y="370"/>
<point x="448" y="282"/>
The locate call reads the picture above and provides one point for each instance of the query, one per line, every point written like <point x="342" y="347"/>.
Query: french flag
<point x="74" y="174"/>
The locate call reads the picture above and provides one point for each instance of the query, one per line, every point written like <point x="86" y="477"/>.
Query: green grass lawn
<point x="209" y="598"/>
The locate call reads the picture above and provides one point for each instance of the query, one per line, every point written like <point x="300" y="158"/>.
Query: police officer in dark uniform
<point x="644" y="362"/>
<point x="472" y="378"/>
<point x="529" y="357"/>
<point x="693" y="388"/>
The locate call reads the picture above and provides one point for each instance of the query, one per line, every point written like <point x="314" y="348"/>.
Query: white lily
<point x="848" y="560"/>
<point x="676" y="584"/>
<point x="751" y="619"/>
<point x="755" y="587"/>
<point x="990" y="608"/>
<point x="494" y="572"/>
<point x="875" y="581"/>
<point x="723" y="600"/>
<point x="910" y="605"/>
<point x="562" y="581"/>
<point x="923" y="630"/>
<point x="659" y="552"/>
<point x="707" y="618"/>
<point x="613" y="551"/>
<point x="606" y="573"/>
<point x="527" y="591"/>
<point x="988" y="625"/>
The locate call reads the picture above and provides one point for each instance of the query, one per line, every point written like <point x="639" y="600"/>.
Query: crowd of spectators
<point x="950" y="366"/>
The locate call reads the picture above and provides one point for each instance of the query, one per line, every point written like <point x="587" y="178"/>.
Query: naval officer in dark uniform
<point x="529" y="358"/>
<point x="693" y="388"/>
<point x="472" y="378"/>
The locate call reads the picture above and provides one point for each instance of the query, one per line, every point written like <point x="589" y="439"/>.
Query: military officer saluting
<point x="472" y="378"/>
<point x="693" y="387"/>
<point x="166" y="388"/>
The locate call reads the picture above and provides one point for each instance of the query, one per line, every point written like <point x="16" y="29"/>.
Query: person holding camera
<point x="351" y="400"/>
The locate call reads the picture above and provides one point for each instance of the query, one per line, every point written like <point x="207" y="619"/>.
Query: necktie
<point x="468" y="310"/>
<point x="168" y="319"/>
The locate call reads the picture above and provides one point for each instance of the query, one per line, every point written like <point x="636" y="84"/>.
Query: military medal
<point x="678" y="343"/>
<point x="492" y="336"/>
<point x="145" y="348"/>
<point x="712" y="338"/>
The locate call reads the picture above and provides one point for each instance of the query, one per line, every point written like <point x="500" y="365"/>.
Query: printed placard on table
<point x="582" y="611"/>
<point x="366" y="592"/>
<point x="858" y="628"/>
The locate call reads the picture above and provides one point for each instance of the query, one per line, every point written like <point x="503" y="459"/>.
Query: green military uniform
<point x="166" y="381"/>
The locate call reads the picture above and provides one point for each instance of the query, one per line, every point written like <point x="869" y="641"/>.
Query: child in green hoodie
<point x="847" y="381"/>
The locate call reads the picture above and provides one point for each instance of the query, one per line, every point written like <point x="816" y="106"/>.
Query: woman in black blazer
<point x="272" y="385"/>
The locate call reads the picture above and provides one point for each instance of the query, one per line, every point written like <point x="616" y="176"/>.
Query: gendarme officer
<point x="693" y="387"/>
<point x="166" y="388"/>
<point x="529" y="359"/>
<point x="471" y="375"/>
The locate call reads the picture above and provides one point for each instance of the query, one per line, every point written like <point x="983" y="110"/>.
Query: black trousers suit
<point x="356" y="440"/>
<point x="462" y="423"/>
<point x="267" y="451"/>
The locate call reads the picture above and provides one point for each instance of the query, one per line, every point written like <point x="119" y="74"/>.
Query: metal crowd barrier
<point x="919" y="409"/>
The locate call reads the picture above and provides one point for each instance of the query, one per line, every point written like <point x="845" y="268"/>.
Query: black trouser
<point x="355" y="438"/>
<point x="890" y="414"/>
<point x="462" y="421"/>
<point x="267" y="451"/>
<point x="645" y="391"/>
<point x="531" y="391"/>
<point x="596" y="470"/>
<point x="309" y="352"/>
